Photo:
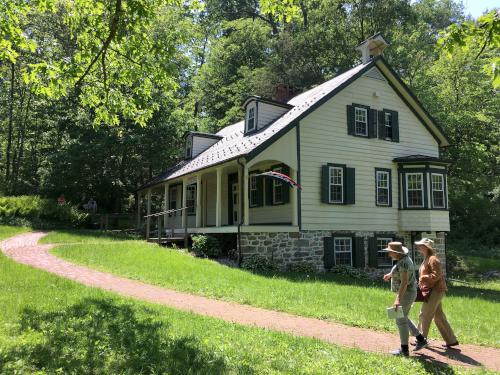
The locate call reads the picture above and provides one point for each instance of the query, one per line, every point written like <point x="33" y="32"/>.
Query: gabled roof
<point x="235" y="143"/>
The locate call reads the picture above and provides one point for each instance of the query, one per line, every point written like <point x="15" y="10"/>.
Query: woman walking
<point x="404" y="284"/>
<point x="431" y="277"/>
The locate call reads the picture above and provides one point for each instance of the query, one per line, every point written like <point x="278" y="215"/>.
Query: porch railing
<point x="162" y="214"/>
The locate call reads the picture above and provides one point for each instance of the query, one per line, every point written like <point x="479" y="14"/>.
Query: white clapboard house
<point x="362" y="147"/>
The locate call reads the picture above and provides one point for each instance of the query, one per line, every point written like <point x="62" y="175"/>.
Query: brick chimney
<point x="283" y="93"/>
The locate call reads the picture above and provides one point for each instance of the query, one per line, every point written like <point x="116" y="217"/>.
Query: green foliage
<point x="482" y="37"/>
<point x="36" y="210"/>
<point x="206" y="246"/>
<point x="355" y="273"/>
<point x="306" y="268"/>
<point x="259" y="263"/>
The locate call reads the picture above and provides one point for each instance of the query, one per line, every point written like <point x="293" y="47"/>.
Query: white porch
<point x="214" y="205"/>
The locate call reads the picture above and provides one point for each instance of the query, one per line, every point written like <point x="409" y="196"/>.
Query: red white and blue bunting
<point x="282" y="177"/>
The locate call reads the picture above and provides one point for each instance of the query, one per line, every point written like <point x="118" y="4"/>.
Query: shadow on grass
<point x="103" y="337"/>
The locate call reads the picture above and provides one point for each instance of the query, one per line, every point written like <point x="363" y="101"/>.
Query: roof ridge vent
<point x="371" y="47"/>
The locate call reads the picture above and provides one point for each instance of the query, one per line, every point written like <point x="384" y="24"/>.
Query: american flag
<point x="281" y="177"/>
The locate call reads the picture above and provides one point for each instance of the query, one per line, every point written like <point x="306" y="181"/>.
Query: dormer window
<point x="189" y="147"/>
<point x="251" y="119"/>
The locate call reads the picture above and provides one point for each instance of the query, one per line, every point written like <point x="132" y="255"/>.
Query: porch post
<point x="184" y="202"/>
<point x="148" y="212"/>
<point x="218" y="202"/>
<point x="294" y="200"/>
<point x="246" y="201"/>
<point x="139" y="206"/>
<point x="198" y="201"/>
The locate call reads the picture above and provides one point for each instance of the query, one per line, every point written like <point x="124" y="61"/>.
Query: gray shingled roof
<point x="235" y="144"/>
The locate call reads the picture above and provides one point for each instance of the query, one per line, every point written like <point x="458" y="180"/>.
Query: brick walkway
<point x="24" y="249"/>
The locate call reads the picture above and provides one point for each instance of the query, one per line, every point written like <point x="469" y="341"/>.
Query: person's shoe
<point x="399" y="352"/>
<point x="421" y="344"/>
<point x="450" y="346"/>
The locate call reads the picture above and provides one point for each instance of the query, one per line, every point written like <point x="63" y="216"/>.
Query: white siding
<point x="210" y="192"/>
<point x="324" y="139"/>
<point x="267" y="113"/>
<point x="200" y="144"/>
<point x="424" y="220"/>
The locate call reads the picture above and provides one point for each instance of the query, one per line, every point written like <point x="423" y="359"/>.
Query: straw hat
<point x="396" y="247"/>
<point x="427" y="242"/>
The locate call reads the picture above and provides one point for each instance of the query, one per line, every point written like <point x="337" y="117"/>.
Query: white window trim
<point x="335" y="252"/>
<point x="421" y="189"/>
<point x="388" y="188"/>
<point x="390" y="239"/>
<point x="277" y="183"/>
<point x="251" y="109"/>
<point x="365" y="134"/>
<point x="172" y="198"/>
<point x="441" y="190"/>
<point x="330" y="184"/>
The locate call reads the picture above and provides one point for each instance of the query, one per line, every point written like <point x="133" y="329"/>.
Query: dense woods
<point x="96" y="94"/>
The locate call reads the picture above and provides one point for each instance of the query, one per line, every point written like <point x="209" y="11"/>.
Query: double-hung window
<point x="438" y="197"/>
<point x="253" y="190"/>
<point x="251" y="119"/>
<point x="361" y="121"/>
<point x="383" y="259"/>
<point x="172" y="199"/>
<point x="277" y="188"/>
<point x="383" y="187"/>
<point x="191" y="199"/>
<point x="343" y="251"/>
<point x="388" y="125"/>
<point x="336" y="185"/>
<point x="415" y="190"/>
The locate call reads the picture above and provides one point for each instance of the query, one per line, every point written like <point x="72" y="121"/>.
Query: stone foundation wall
<point x="288" y="248"/>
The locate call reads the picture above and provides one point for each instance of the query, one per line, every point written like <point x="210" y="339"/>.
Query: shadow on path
<point x="104" y="337"/>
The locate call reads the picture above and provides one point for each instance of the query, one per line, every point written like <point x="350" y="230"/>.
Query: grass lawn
<point x="52" y="325"/>
<point x="472" y="259"/>
<point x="472" y="310"/>
<point x="9" y="231"/>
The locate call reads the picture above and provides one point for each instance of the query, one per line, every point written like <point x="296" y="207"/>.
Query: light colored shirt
<point x="405" y="264"/>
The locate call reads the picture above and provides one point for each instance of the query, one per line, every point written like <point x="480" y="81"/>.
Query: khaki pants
<point x="404" y="323"/>
<point x="434" y="309"/>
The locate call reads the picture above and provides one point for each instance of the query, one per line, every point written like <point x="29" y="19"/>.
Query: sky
<point x="477" y="7"/>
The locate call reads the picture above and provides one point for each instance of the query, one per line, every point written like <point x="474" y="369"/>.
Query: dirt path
<point x="24" y="249"/>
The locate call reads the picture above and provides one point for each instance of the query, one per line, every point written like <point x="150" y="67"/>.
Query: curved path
<point x="24" y="249"/>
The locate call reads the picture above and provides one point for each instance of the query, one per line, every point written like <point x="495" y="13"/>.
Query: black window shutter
<point x="285" y="169"/>
<point x="329" y="254"/>
<point x="350" y="186"/>
<point x="372" y="252"/>
<point x="395" y="126"/>
<point x="350" y="120"/>
<point x="372" y="123"/>
<point x="358" y="252"/>
<point x="381" y="125"/>
<point x="260" y="191"/>
<point x="325" y="184"/>
<point x="269" y="191"/>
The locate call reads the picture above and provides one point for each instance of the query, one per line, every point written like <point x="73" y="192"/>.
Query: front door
<point x="235" y="201"/>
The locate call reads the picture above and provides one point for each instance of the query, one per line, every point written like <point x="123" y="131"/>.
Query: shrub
<point x="206" y="246"/>
<point x="259" y="263"/>
<point x="307" y="268"/>
<point x="40" y="212"/>
<point x="349" y="271"/>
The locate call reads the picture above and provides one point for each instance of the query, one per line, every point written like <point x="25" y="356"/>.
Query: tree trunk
<point x="9" y="129"/>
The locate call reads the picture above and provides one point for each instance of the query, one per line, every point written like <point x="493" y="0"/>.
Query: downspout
<point x="242" y="207"/>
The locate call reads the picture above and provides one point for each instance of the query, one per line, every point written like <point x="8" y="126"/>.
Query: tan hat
<point x="427" y="242"/>
<point x="396" y="247"/>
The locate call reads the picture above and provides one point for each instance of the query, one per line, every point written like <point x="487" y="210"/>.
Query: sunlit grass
<point x="53" y="325"/>
<point x="7" y="231"/>
<point x="472" y="311"/>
